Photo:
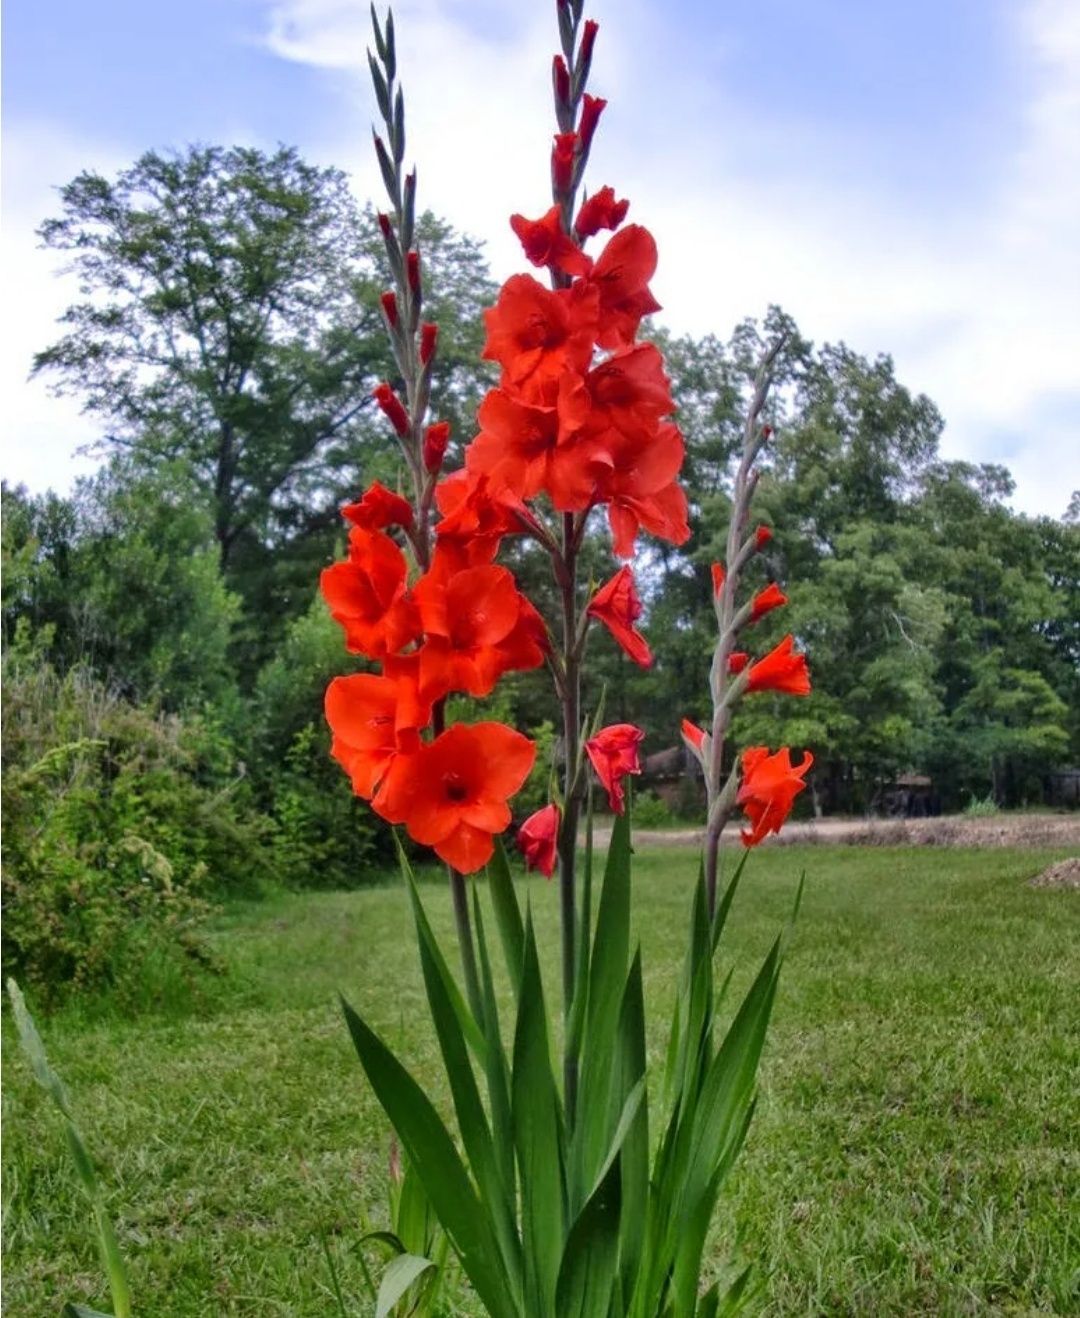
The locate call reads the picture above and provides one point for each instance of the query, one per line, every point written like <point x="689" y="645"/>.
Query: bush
<point x="650" y="811"/>
<point x="119" y="825"/>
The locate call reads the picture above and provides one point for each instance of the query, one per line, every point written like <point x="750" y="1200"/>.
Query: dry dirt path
<point x="1005" y="830"/>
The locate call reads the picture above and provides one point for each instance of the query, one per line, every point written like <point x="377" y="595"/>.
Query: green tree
<point x="230" y="324"/>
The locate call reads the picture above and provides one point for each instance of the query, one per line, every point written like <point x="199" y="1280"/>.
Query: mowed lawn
<point x="916" y="1149"/>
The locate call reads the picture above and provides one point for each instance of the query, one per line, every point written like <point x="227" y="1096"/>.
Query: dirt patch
<point x="1063" y="874"/>
<point x="1004" y="830"/>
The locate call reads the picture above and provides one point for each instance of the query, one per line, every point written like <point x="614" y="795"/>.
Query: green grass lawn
<point x="916" y="1149"/>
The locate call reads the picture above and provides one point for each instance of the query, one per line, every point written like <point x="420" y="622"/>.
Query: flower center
<point x="456" y="789"/>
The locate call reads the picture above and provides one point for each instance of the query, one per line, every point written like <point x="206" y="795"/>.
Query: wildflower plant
<point x="572" y="1190"/>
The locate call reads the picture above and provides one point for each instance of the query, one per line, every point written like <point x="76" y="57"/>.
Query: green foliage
<point x="650" y="811"/>
<point x="118" y="825"/>
<point x="550" y="1202"/>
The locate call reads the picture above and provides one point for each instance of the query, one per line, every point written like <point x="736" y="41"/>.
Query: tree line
<point x="227" y="336"/>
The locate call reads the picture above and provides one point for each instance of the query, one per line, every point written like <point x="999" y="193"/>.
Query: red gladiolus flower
<point x="562" y="160"/>
<point x="518" y="449"/>
<point x="781" y="670"/>
<point x="762" y="536"/>
<point x="436" y="438"/>
<point x="622" y="274"/>
<point x="361" y="711"/>
<point x="772" y="597"/>
<point x="618" y="607"/>
<point x="718" y="577"/>
<point x="693" y="735"/>
<point x="452" y="793"/>
<point x="770" y="784"/>
<point x="592" y="108"/>
<point x="477" y="624"/>
<point x="379" y="507"/>
<point x="546" y="244"/>
<point x="538" y="837"/>
<point x="476" y="516"/>
<point x="614" y="754"/>
<point x="664" y="514"/>
<point x="429" y="336"/>
<point x="536" y="334"/>
<point x="391" y="405"/>
<point x="389" y="306"/>
<point x="366" y="595"/>
<point x="600" y="211"/>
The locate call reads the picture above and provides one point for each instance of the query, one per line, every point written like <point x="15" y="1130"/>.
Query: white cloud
<point x="978" y="310"/>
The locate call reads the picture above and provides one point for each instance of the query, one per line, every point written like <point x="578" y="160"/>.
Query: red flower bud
<point x="384" y="224"/>
<point x="762" y="536"/>
<point x="436" y="438"/>
<point x="717" y="579"/>
<point x="560" y="77"/>
<point x="562" y="160"/>
<point x="591" y="109"/>
<point x="693" y="735"/>
<point x="772" y="597"/>
<point x="412" y="267"/>
<point x="391" y="405"/>
<point x="389" y="306"/>
<point x="737" y="661"/>
<point x="537" y="838"/>
<point x="600" y="211"/>
<point x="588" y="40"/>
<point x="429" y="334"/>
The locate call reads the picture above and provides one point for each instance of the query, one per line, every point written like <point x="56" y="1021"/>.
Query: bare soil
<point x="1004" y="830"/>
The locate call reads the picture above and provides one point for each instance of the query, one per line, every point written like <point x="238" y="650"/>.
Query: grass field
<point x="916" y="1150"/>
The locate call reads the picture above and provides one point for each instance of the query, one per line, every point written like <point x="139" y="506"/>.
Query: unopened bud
<point x="591" y="110"/>
<point x="412" y="266"/>
<point x="562" y="161"/>
<point x="389" y="306"/>
<point x="762" y="536"/>
<point x="436" y="438"/>
<point x="429" y="336"/>
<point x="560" y="78"/>
<point x="392" y="407"/>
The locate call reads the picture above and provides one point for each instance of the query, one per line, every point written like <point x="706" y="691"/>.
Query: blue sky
<point x="901" y="175"/>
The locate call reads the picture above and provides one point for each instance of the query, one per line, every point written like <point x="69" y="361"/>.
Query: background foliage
<point x="166" y="650"/>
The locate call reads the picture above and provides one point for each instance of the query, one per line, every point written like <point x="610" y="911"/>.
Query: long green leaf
<point x="538" y="1138"/>
<point x="428" y="1144"/>
<point x="49" y="1080"/>
<point x="507" y="914"/>
<point x="400" y="1274"/>
<point x="587" y="1273"/>
<point x="635" y="1144"/>
<point x="598" y="1107"/>
<point x="467" y="1021"/>
<point x="498" y="1069"/>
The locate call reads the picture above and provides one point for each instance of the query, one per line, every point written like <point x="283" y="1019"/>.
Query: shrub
<point x="119" y="825"/>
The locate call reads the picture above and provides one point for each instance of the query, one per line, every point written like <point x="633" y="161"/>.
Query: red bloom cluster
<point x="584" y="430"/>
<point x="458" y="628"/>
